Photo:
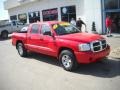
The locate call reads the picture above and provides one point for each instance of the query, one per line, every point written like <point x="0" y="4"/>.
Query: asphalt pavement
<point x="40" y="72"/>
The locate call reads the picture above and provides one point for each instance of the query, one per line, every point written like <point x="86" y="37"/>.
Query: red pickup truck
<point x="63" y="41"/>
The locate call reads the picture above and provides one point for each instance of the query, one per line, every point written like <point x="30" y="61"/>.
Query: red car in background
<point x="63" y="41"/>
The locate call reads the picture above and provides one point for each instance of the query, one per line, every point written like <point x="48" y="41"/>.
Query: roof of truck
<point x="49" y="22"/>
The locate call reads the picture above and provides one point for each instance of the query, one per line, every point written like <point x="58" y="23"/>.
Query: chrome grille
<point x="99" y="45"/>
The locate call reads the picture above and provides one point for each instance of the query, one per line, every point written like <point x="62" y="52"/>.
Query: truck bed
<point x="22" y="36"/>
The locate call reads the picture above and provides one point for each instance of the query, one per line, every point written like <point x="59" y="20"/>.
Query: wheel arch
<point x="70" y="52"/>
<point x="18" y="41"/>
<point x="64" y="48"/>
<point x="4" y="34"/>
<point x="4" y="31"/>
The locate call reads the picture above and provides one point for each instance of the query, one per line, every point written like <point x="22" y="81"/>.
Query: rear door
<point x="33" y="38"/>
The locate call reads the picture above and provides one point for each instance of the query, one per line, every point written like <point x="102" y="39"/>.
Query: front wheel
<point x="68" y="60"/>
<point x="21" y="50"/>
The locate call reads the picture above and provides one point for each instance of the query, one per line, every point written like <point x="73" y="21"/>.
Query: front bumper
<point x="89" y="57"/>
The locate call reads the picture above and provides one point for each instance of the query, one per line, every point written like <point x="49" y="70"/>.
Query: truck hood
<point x="82" y="37"/>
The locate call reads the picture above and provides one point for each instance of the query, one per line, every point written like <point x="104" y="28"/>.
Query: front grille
<point x="99" y="45"/>
<point x="97" y="49"/>
<point x="104" y="44"/>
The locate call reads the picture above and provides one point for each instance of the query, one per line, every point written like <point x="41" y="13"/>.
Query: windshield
<point x="65" y="28"/>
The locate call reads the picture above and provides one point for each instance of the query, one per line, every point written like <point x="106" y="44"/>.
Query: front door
<point x="48" y="42"/>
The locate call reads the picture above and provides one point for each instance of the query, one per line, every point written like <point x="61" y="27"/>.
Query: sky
<point x="3" y="13"/>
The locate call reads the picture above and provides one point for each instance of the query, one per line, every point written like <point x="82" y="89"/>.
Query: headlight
<point x="84" y="47"/>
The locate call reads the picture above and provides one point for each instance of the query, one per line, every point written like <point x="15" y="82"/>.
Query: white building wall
<point x="92" y="12"/>
<point x="88" y="10"/>
<point x="14" y="3"/>
<point x="10" y="3"/>
<point x="48" y="4"/>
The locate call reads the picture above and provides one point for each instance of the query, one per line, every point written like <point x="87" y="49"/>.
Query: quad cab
<point x="63" y="41"/>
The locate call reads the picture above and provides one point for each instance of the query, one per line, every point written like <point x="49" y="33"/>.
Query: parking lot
<point x="40" y="72"/>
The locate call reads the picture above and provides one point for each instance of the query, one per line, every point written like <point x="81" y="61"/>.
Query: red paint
<point x="52" y="45"/>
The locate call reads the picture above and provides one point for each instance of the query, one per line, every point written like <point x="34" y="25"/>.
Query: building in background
<point x="29" y="11"/>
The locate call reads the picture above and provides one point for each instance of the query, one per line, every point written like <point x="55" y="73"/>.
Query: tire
<point x="68" y="60"/>
<point x="21" y="50"/>
<point x="4" y="34"/>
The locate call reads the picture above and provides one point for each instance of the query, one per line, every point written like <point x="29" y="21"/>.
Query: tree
<point x="94" y="27"/>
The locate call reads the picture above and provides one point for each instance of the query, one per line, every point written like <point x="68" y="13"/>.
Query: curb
<point x="115" y="53"/>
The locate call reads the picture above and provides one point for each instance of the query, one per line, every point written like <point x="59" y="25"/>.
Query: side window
<point x="35" y="29"/>
<point x="14" y="23"/>
<point x="45" y="30"/>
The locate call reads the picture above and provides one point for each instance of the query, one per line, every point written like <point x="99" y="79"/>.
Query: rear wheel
<point x="21" y="50"/>
<point x="68" y="60"/>
<point x="4" y="34"/>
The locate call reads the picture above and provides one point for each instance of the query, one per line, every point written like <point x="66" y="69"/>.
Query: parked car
<point x="10" y="27"/>
<point x="63" y="41"/>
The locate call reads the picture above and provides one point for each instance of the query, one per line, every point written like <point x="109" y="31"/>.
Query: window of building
<point x="67" y="13"/>
<point x="22" y="18"/>
<point x="45" y="29"/>
<point x="119" y="3"/>
<point x="35" y="29"/>
<point x="13" y="18"/>
<point x="111" y="4"/>
<point x="34" y="16"/>
<point x="50" y="14"/>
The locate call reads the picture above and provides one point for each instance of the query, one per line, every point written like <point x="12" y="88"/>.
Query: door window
<point x="35" y="29"/>
<point x="14" y="23"/>
<point x="45" y="30"/>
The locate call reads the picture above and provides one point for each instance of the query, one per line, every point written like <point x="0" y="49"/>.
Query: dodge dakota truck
<point x="63" y="41"/>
